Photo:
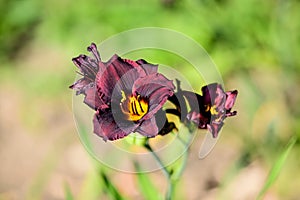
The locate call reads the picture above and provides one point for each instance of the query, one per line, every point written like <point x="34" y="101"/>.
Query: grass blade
<point x="110" y="188"/>
<point x="276" y="168"/>
<point x="68" y="193"/>
<point x="147" y="188"/>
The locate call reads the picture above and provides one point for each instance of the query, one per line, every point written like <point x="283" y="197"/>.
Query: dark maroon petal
<point x="92" y="98"/>
<point x="116" y="68"/>
<point x="79" y="85"/>
<point x="140" y="70"/>
<point x="167" y="128"/>
<point x="131" y="62"/>
<point x="213" y="94"/>
<point x="215" y="128"/>
<point x="220" y="98"/>
<point x="200" y="120"/>
<point x="148" y="128"/>
<point x="208" y="93"/>
<point x="144" y="68"/>
<point x="93" y="48"/>
<point x="87" y="66"/>
<point x="125" y="84"/>
<point x="106" y="127"/>
<point x="161" y="119"/>
<point x="230" y="100"/>
<point x="156" y="88"/>
<point x="181" y="100"/>
<point x="148" y="67"/>
<point x="194" y="100"/>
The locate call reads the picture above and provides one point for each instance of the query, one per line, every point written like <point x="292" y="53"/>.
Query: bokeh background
<point x="255" y="45"/>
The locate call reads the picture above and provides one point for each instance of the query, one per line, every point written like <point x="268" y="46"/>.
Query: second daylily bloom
<point x="212" y="107"/>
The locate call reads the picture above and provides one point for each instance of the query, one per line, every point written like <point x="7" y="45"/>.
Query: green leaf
<point x="110" y="188"/>
<point x="276" y="168"/>
<point x="68" y="193"/>
<point x="147" y="188"/>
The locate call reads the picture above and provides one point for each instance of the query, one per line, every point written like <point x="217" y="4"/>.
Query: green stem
<point x="172" y="177"/>
<point x="168" y="174"/>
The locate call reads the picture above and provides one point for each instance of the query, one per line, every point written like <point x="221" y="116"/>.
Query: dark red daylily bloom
<point x="126" y="95"/>
<point x="209" y="110"/>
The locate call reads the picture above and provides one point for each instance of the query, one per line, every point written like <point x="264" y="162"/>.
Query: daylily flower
<point x="126" y="95"/>
<point x="209" y="110"/>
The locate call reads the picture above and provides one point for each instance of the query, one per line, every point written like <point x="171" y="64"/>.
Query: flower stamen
<point x="213" y="110"/>
<point x="123" y="96"/>
<point x="136" y="107"/>
<point x="207" y="108"/>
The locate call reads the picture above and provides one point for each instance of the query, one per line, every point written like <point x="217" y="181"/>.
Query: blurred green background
<point x="255" y="45"/>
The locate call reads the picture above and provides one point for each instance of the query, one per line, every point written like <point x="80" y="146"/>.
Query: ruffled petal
<point x="230" y="100"/>
<point x="148" y="67"/>
<point x="93" y="99"/>
<point x="115" y="70"/>
<point x="79" y="85"/>
<point x="144" y="68"/>
<point x="156" y="88"/>
<point x="215" y="128"/>
<point x="148" y="128"/>
<point x="124" y="85"/>
<point x="106" y="127"/>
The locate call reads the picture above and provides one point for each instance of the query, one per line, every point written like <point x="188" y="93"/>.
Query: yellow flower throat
<point x="135" y="107"/>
